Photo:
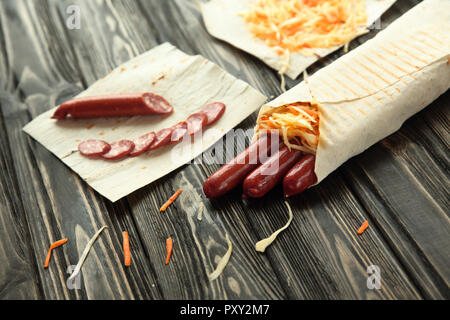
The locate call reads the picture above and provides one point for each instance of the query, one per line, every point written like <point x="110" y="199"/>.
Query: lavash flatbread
<point x="222" y="20"/>
<point x="187" y="82"/>
<point x="367" y="94"/>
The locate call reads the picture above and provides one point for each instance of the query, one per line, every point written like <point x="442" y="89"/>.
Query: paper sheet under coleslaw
<point x="224" y="20"/>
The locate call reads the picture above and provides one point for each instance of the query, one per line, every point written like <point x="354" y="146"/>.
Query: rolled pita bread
<point x="367" y="94"/>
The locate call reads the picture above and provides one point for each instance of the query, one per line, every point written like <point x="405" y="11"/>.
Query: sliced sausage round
<point x="213" y="111"/>
<point x="178" y="132"/>
<point x="196" y="122"/>
<point x="119" y="149"/>
<point x="142" y="144"/>
<point x="162" y="139"/>
<point x="93" y="148"/>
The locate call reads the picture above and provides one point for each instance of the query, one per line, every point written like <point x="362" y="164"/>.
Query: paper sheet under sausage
<point x="187" y="82"/>
<point x="367" y="94"/>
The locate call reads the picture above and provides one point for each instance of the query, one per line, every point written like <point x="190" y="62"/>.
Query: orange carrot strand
<point x="58" y="243"/>
<point x="126" y="249"/>
<point x="169" y="245"/>
<point x="171" y="200"/>
<point x="363" y="227"/>
<point x="47" y="260"/>
<point x="53" y="246"/>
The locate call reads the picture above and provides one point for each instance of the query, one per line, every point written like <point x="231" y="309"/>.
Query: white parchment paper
<point x="187" y="82"/>
<point x="222" y="20"/>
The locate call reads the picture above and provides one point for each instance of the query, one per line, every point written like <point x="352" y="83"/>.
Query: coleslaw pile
<point x="294" y="25"/>
<point x="298" y="124"/>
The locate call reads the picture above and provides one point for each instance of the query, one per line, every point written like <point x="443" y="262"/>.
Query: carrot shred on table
<point x="169" y="245"/>
<point x="363" y="227"/>
<point x="171" y="200"/>
<point x="53" y="246"/>
<point x="126" y="249"/>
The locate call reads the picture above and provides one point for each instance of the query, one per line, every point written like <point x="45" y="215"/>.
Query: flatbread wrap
<point x="367" y="94"/>
<point x="344" y="108"/>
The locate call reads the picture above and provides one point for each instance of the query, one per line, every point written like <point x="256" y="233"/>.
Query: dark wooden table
<point x="401" y="185"/>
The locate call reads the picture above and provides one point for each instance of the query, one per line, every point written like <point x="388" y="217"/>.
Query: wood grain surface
<point x="400" y="184"/>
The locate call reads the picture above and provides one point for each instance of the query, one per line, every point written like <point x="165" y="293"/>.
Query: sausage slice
<point x="119" y="149"/>
<point x="213" y="111"/>
<point x="196" y="122"/>
<point x="162" y="139"/>
<point x="142" y="144"/>
<point x="178" y="132"/>
<point x="93" y="148"/>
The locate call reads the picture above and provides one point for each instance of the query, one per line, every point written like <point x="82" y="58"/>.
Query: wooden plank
<point x="400" y="183"/>
<point x="321" y="256"/>
<point x="17" y="280"/>
<point x="180" y="23"/>
<point x="56" y="203"/>
<point x="333" y="260"/>
<point x="199" y="244"/>
<point x="17" y="275"/>
<point x="197" y="247"/>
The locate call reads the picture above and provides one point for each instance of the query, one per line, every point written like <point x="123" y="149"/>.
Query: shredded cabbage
<point x="85" y="253"/>
<point x="298" y="124"/>
<point x="223" y="262"/>
<point x="261" y="246"/>
<point x="200" y="211"/>
<point x="295" y="25"/>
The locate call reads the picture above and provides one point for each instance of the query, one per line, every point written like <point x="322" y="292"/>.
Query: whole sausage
<point x="114" y="106"/>
<point x="300" y="177"/>
<point x="232" y="173"/>
<point x="214" y="111"/>
<point x="266" y="176"/>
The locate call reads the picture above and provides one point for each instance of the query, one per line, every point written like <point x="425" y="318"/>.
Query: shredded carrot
<point x="126" y="249"/>
<point x="294" y="25"/>
<point x="169" y="245"/>
<point x="171" y="200"/>
<point x="363" y="227"/>
<point x="53" y="246"/>
<point x="298" y="123"/>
